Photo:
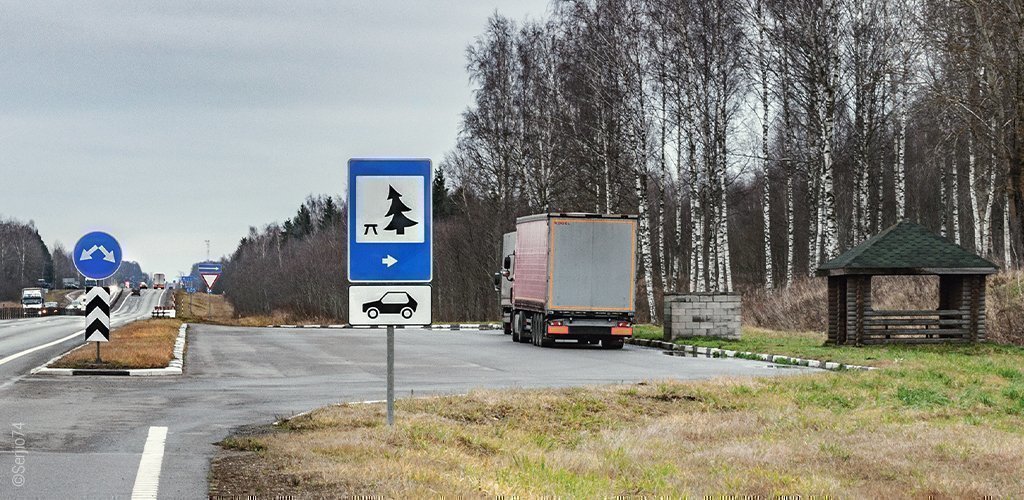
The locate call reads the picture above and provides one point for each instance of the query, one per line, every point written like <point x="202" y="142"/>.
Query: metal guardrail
<point x="20" y="313"/>
<point x="164" y="312"/>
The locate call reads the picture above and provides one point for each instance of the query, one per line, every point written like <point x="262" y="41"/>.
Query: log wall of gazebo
<point x="959" y="317"/>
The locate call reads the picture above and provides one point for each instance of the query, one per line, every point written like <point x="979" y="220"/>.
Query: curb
<point x="447" y="327"/>
<point x="712" y="352"/>
<point x="175" y="367"/>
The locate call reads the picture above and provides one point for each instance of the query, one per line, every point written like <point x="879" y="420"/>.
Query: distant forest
<point x="755" y="139"/>
<point x="25" y="259"/>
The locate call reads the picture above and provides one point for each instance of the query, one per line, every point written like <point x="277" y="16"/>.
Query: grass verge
<point x="215" y="310"/>
<point x="142" y="344"/>
<point x="949" y="425"/>
<point x="811" y="345"/>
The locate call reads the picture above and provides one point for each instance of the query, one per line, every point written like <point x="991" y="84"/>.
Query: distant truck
<point x="71" y="284"/>
<point x="159" y="281"/>
<point x="572" y="276"/>
<point x="32" y="298"/>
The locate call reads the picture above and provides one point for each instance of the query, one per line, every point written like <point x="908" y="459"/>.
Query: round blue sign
<point x="97" y="255"/>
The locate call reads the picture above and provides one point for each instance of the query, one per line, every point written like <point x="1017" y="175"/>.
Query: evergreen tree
<point x="442" y="203"/>
<point x="397" y="213"/>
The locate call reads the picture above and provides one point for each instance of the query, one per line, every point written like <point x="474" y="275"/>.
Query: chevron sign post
<point x="97" y="316"/>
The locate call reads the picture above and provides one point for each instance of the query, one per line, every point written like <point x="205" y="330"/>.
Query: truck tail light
<point x="557" y="328"/>
<point x="623" y="328"/>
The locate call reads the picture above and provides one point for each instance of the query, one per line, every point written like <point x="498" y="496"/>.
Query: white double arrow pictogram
<point x="107" y="255"/>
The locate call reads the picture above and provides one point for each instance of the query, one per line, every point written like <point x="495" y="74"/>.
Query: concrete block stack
<point x="702" y="315"/>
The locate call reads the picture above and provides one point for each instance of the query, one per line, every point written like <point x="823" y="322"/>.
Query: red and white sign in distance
<point x="210" y="279"/>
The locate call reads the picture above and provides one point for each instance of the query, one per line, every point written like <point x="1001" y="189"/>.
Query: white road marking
<point x="13" y="357"/>
<point x="147" y="480"/>
<point x="26" y="352"/>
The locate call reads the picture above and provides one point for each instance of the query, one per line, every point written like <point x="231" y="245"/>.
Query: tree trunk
<point x="790" y="231"/>
<point x="762" y="60"/>
<point x="900" y="180"/>
<point x="1007" y="263"/>
<point x="645" y="242"/>
<point x="956" y="202"/>
<point x="943" y="195"/>
<point x="979" y="229"/>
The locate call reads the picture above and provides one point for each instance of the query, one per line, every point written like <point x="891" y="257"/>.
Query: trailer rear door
<point x="593" y="263"/>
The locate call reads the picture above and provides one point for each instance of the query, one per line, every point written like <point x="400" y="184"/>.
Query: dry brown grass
<point x="217" y="310"/>
<point x="802" y="306"/>
<point x="834" y="434"/>
<point x="223" y="314"/>
<point x="143" y="344"/>
<point x="1004" y="302"/>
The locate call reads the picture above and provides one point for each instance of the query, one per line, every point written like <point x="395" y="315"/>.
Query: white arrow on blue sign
<point x="97" y="255"/>
<point x="390" y="230"/>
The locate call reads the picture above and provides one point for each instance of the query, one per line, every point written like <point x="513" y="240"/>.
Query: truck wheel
<point x="539" y="333"/>
<point x="523" y="337"/>
<point x="612" y="344"/>
<point x="513" y="324"/>
<point x="506" y="328"/>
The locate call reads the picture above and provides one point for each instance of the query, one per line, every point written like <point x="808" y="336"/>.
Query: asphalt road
<point x="83" y="436"/>
<point x="29" y="342"/>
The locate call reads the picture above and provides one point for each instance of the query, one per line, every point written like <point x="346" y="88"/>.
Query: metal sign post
<point x="210" y="271"/>
<point x="390" y="245"/>
<point x="97" y="256"/>
<point x="97" y="317"/>
<point x="391" y="375"/>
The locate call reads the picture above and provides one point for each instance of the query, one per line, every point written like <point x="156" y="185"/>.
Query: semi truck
<point x="572" y="277"/>
<point x="159" y="281"/>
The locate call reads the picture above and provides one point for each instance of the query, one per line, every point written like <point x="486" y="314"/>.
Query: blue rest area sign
<point x="97" y="255"/>
<point x="390" y="233"/>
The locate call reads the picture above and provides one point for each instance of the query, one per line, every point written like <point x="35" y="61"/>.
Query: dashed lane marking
<point x="147" y="480"/>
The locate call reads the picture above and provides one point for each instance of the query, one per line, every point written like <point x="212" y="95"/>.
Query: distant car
<point x="50" y="305"/>
<point x="143" y="285"/>
<point x="391" y="303"/>
<point x="136" y="291"/>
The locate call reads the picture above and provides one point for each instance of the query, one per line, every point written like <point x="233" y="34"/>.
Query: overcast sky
<point x="167" y="123"/>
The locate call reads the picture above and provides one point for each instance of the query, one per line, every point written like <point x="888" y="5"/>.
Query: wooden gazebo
<point x="906" y="249"/>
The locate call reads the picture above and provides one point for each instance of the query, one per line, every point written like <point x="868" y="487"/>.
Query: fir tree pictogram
<point x="398" y="219"/>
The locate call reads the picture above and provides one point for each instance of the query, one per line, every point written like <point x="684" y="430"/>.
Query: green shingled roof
<point x="906" y="246"/>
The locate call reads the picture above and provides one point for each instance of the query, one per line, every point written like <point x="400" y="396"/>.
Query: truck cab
<point x="503" y="280"/>
<point x="32" y="298"/>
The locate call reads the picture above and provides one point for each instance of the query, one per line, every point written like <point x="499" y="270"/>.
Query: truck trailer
<point x="572" y="277"/>
<point x="159" y="281"/>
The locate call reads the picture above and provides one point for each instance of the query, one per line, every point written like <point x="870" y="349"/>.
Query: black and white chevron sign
<point x="97" y="314"/>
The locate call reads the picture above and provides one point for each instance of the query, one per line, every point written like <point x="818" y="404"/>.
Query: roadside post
<point x="390" y="249"/>
<point x="97" y="256"/>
